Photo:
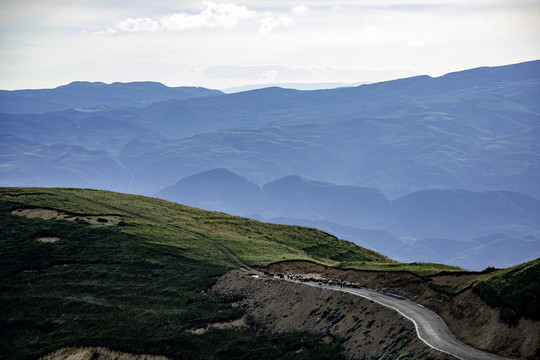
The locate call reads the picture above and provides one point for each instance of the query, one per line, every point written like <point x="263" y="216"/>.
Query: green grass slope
<point x="140" y="285"/>
<point x="516" y="289"/>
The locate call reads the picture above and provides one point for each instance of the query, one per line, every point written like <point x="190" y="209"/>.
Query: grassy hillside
<point x="517" y="289"/>
<point x="421" y="268"/>
<point x="140" y="285"/>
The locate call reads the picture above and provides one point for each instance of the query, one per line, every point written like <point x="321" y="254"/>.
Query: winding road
<point x="430" y="328"/>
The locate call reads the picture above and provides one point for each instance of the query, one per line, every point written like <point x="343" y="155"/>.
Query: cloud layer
<point x="46" y="43"/>
<point x="212" y="16"/>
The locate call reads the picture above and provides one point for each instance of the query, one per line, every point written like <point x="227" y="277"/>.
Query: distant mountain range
<point x="97" y="95"/>
<point x="474" y="132"/>
<point x="453" y="226"/>
<point x="296" y="86"/>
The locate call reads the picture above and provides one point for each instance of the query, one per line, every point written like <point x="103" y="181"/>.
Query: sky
<point x="221" y="44"/>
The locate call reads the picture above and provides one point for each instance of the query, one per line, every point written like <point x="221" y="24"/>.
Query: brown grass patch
<point x="47" y="239"/>
<point x="235" y="324"/>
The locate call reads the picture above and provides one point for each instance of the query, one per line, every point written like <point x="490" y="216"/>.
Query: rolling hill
<point x="134" y="274"/>
<point x="140" y="285"/>
<point x="429" y="225"/>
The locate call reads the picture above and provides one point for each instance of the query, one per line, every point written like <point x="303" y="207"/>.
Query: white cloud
<point x="108" y="30"/>
<point x="182" y="21"/>
<point x="269" y="23"/>
<point x="415" y="43"/>
<point x="214" y="15"/>
<point x="331" y="42"/>
<point x="300" y="9"/>
<point x="135" y="25"/>
<point x="270" y="76"/>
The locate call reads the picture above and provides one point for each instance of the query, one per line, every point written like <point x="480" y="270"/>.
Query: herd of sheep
<point x="310" y="277"/>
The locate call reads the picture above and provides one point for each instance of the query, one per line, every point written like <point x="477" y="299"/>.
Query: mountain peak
<point x="215" y="175"/>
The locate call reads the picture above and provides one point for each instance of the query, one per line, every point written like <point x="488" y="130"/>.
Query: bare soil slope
<point x="468" y="317"/>
<point x="369" y="330"/>
<point x="96" y="353"/>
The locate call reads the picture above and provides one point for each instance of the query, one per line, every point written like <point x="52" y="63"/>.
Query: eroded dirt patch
<point x="47" y="239"/>
<point x="53" y="214"/>
<point x="454" y="281"/>
<point x="25" y="195"/>
<point x="96" y="353"/>
<point x="235" y="324"/>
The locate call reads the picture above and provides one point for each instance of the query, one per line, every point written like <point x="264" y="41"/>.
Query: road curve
<point x="430" y="328"/>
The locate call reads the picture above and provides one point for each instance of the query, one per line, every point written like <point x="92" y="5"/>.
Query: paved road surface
<point x="430" y="327"/>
